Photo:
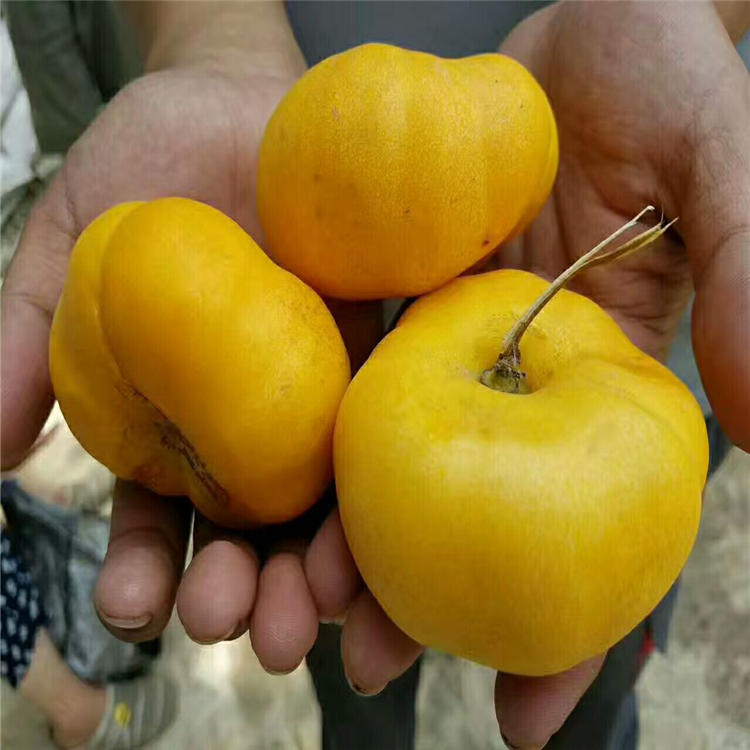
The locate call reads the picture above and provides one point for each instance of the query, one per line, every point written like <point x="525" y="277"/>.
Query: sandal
<point x="137" y="711"/>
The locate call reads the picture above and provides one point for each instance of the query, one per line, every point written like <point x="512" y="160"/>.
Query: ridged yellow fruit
<point x="529" y="531"/>
<point x="186" y="360"/>
<point x="385" y="172"/>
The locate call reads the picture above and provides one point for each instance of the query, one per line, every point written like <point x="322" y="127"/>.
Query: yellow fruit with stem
<point x="525" y="514"/>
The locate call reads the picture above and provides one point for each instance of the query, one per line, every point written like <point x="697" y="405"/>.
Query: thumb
<point x="29" y="295"/>
<point x="714" y="205"/>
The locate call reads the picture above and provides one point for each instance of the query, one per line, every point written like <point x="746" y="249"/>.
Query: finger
<point x="330" y="570"/>
<point x="373" y="649"/>
<point x="217" y="593"/>
<point x="29" y="295"/>
<point x="136" y="589"/>
<point x="284" y="623"/>
<point x="531" y="709"/>
<point x="710" y="186"/>
<point x="721" y="321"/>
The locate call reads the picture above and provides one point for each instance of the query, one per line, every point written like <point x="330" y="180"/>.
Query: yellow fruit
<point x="184" y="359"/>
<point x="524" y="531"/>
<point x="386" y="172"/>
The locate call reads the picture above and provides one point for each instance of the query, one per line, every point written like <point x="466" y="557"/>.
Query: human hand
<point x="652" y="104"/>
<point x="191" y="128"/>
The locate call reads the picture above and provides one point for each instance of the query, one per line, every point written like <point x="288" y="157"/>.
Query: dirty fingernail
<point x="333" y="620"/>
<point x="279" y="673"/>
<point x="511" y="746"/>
<point x="365" y="692"/>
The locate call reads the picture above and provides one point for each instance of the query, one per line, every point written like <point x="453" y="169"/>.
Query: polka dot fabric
<point x="21" y="613"/>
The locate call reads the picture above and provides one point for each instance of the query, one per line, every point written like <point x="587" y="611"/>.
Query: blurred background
<point x="696" y="697"/>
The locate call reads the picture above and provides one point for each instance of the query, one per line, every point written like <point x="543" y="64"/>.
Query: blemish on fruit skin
<point x="316" y="177"/>
<point x="486" y="242"/>
<point x="407" y="211"/>
<point x="174" y="439"/>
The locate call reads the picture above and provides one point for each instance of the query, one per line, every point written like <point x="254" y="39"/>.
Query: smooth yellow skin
<point x="183" y="358"/>
<point x="386" y="172"/>
<point x="524" y="532"/>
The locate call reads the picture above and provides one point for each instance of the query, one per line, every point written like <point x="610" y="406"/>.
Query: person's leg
<point x="72" y="708"/>
<point x="121" y="715"/>
<point x="382" y="722"/>
<point x="31" y="663"/>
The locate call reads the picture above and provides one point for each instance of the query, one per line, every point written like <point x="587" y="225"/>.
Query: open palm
<point x="170" y="133"/>
<point x="652" y="104"/>
<point x="191" y="132"/>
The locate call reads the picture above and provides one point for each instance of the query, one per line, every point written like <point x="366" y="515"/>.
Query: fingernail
<point x="364" y="692"/>
<point x="226" y="637"/>
<point x="332" y="620"/>
<point x="511" y="746"/>
<point x="124" y="623"/>
<point x="356" y="687"/>
<point x="281" y="673"/>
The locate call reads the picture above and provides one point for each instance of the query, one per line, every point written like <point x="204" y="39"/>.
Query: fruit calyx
<point x="506" y="374"/>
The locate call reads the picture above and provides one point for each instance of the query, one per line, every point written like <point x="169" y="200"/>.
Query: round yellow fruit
<point x="186" y="360"/>
<point x="386" y="172"/>
<point x="527" y="531"/>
